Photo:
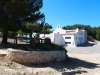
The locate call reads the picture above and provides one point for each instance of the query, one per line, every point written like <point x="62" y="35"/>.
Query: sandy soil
<point x="83" y="61"/>
<point x="77" y="64"/>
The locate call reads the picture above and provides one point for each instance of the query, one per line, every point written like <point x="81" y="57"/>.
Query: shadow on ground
<point x="72" y="66"/>
<point x="87" y="44"/>
<point x="11" y="44"/>
<point x="74" y="72"/>
<point x="25" y="47"/>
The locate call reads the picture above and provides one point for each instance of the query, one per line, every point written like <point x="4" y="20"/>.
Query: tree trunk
<point x="34" y="43"/>
<point x="31" y="39"/>
<point x="38" y="38"/>
<point x="4" y="38"/>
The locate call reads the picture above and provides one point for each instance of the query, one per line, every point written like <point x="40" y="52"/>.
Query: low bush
<point x="49" y="47"/>
<point x="90" y="38"/>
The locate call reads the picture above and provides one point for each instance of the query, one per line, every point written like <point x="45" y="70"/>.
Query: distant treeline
<point x="92" y="32"/>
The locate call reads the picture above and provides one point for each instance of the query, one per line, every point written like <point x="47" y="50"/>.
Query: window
<point x="76" y="37"/>
<point x="67" y="37"/>
<point x="67" y="42"/>
<point x="80" y="38"/>
<point x="80" y="33"/>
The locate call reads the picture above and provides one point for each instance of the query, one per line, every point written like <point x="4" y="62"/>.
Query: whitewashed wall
<point x="59" y="30"/>
<point x="57" y="39"/>
<point x="52" y="37"/>
<point x="46" y="35"/>
<point x="69" y="40"/>
<point x="80" y="35"/>
<point x="59" y="34"/>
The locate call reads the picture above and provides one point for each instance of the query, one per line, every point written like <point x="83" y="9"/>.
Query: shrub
<point x="90" y="38"/>
<point x="48" y="47"/>
<point x="11" y="34"/>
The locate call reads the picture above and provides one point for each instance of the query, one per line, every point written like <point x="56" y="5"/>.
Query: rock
<point x="35" y="56"/>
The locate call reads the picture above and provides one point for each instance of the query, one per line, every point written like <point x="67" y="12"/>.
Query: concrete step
<point x="3" y="53"/>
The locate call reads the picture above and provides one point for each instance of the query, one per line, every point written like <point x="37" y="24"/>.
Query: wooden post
<point x="16" y="40"/>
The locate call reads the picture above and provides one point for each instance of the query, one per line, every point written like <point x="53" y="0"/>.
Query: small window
<point x="67" y="37"/>
<point x="67" y="42"/>
<point x="80" y="38"/>
<point x="76" y="37"/>
<point x="81" y="33"/>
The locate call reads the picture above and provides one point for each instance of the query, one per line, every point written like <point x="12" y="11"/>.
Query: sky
<point x="69" y="12"/>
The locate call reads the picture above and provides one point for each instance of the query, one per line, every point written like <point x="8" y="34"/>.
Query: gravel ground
<point x="89" y="53"/>
<point x="91" y="47"/>
<point x="83" y="60"/>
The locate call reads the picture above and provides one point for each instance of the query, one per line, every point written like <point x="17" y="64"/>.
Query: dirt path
<point x="89" y="63"/>
<point x="82" y="61"/>
<point x="78" y="64"/>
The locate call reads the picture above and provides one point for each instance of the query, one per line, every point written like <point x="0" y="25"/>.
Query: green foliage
<point x="1" y="30"/>
<point x="15" y="12"/>
<point x="90" y="38"/>
<point x="49" y="47"/>
<point x="32" y="26"/>
<point x="98" y="35"/>
<point x="16" y="8"/>
<point x="46" y="29"/>
<point x="11" y="34"/>
<point x="20" y="32"/>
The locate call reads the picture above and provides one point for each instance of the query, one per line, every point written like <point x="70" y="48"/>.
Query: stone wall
<point x="35" y="56"/>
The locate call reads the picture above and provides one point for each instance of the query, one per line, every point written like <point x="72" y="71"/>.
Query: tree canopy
<point x="46" y="29"/>
<point x="15" y="12"/>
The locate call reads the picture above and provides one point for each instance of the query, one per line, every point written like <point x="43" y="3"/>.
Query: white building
<point x="67" y="37"/>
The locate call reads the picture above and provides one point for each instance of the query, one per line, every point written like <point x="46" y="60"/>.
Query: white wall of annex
<point x="59" y="30"/>
<point x="69" y="40"/>
<point x="57" y="39"/>
<point x="80" y="37"/>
